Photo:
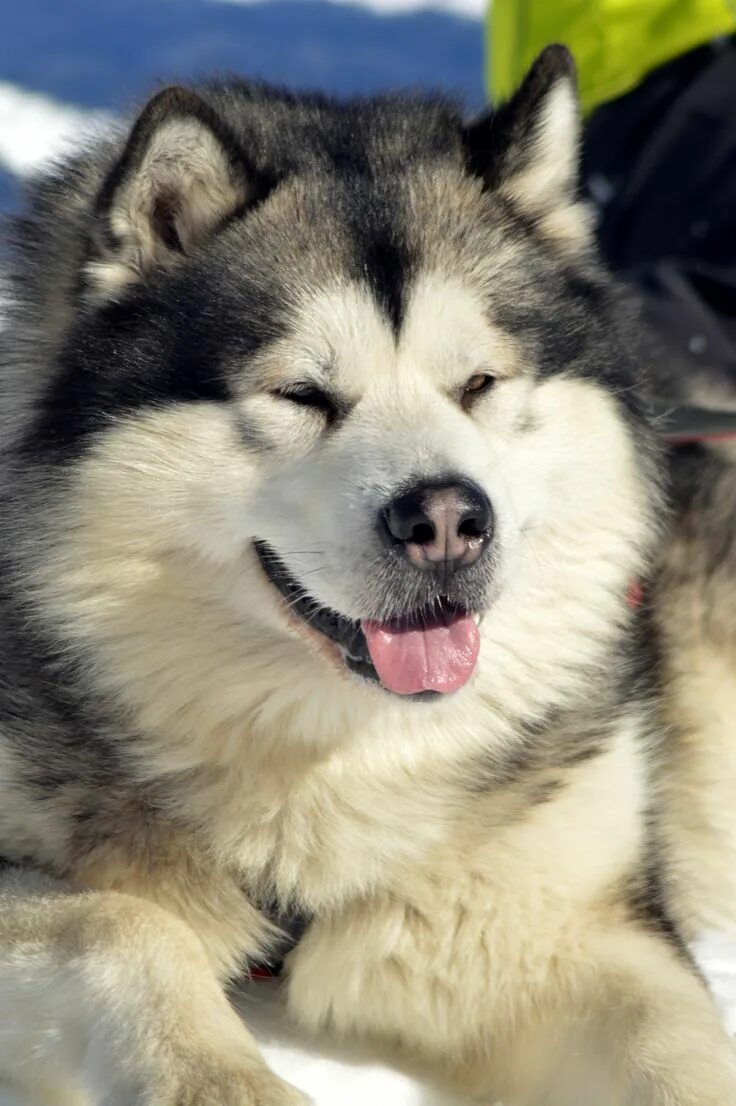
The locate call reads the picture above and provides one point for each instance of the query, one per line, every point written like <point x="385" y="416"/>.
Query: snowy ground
<point x="66" y="69"/>
<point x="335" y="1075"/>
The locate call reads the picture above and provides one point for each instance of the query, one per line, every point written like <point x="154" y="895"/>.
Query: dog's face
<point x="371" y="401"/>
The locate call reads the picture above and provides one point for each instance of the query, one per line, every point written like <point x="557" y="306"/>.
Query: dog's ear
<point x="181" y="175"/>
<point x="527" y="149"/>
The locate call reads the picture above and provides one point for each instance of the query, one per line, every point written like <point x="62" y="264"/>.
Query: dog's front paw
<point x="217" y="1086"/>
<point x="267" y="1089"/>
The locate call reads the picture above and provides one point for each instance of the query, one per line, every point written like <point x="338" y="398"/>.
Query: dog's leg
<point x="659" y="1027"/>
<point x="644" y="1032"/>
<point x="620" y="1019"/>
<point x="108" y="994"/>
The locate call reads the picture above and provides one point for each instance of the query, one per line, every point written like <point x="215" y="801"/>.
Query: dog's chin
<point x="340" y="641"/>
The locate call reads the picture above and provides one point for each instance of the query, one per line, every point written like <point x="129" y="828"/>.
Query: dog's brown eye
<point x="475" y="387"/>
<point x="306" y="395"/>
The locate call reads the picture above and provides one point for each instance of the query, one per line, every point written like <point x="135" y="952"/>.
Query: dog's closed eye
<point x="307" y="395"/>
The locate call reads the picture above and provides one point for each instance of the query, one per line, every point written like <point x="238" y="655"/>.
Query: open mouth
<point x="419" y="653"/>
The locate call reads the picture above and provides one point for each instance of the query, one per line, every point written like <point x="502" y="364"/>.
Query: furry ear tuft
<point x="180" y="177"/>
<point x="527" y="149"/>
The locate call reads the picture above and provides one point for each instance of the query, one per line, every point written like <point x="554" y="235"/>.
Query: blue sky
<point x="106" y="54"/>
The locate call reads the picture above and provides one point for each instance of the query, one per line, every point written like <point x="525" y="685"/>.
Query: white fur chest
<point x="345" y="824"/>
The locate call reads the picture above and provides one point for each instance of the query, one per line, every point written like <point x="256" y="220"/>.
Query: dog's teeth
<point x="475" y="615"/>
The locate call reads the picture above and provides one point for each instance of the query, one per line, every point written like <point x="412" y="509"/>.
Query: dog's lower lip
<point x="344" y="633"/>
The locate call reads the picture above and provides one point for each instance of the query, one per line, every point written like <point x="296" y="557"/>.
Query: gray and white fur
<point x="240" y="336"/>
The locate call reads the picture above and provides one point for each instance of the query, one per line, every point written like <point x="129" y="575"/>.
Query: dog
<point x="327" y="469"/>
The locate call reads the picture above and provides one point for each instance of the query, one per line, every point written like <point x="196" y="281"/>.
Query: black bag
<point x="659" y="165"/>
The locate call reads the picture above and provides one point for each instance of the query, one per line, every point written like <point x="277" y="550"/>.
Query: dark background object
<point x="660" y="163"/>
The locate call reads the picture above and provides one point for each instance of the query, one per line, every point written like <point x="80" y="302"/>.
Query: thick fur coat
<point x="241" y="337"/>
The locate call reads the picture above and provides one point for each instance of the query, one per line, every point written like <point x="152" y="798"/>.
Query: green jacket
<point x="615" y="42"/>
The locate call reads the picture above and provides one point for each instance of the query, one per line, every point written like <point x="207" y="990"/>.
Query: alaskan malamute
<point x="327" y="472"/>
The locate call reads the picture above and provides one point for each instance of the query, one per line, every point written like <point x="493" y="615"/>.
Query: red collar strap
<point x="635" y="595"/>
<point x="691" y="425"/>
<point x="262" y="972"/>
<point x="687" y="426"/>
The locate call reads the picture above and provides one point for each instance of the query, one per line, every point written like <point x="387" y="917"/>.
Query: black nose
<point x="448" y="524"/>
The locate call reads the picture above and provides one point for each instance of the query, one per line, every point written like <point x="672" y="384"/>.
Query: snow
<point x="35" y="129"/>
<point x="716" y="954"/>
<point x="472" y="8"/>
<point x="333" y="1073"/>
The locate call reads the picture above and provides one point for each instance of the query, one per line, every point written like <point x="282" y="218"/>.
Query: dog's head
<point x="350" y="380"/>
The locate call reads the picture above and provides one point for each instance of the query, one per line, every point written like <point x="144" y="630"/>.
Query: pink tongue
<point x="441" y="657"/>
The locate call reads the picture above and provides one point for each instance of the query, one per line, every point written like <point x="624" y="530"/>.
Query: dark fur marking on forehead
<point x="372" y="212"/>
<point x="385" y="267"/>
